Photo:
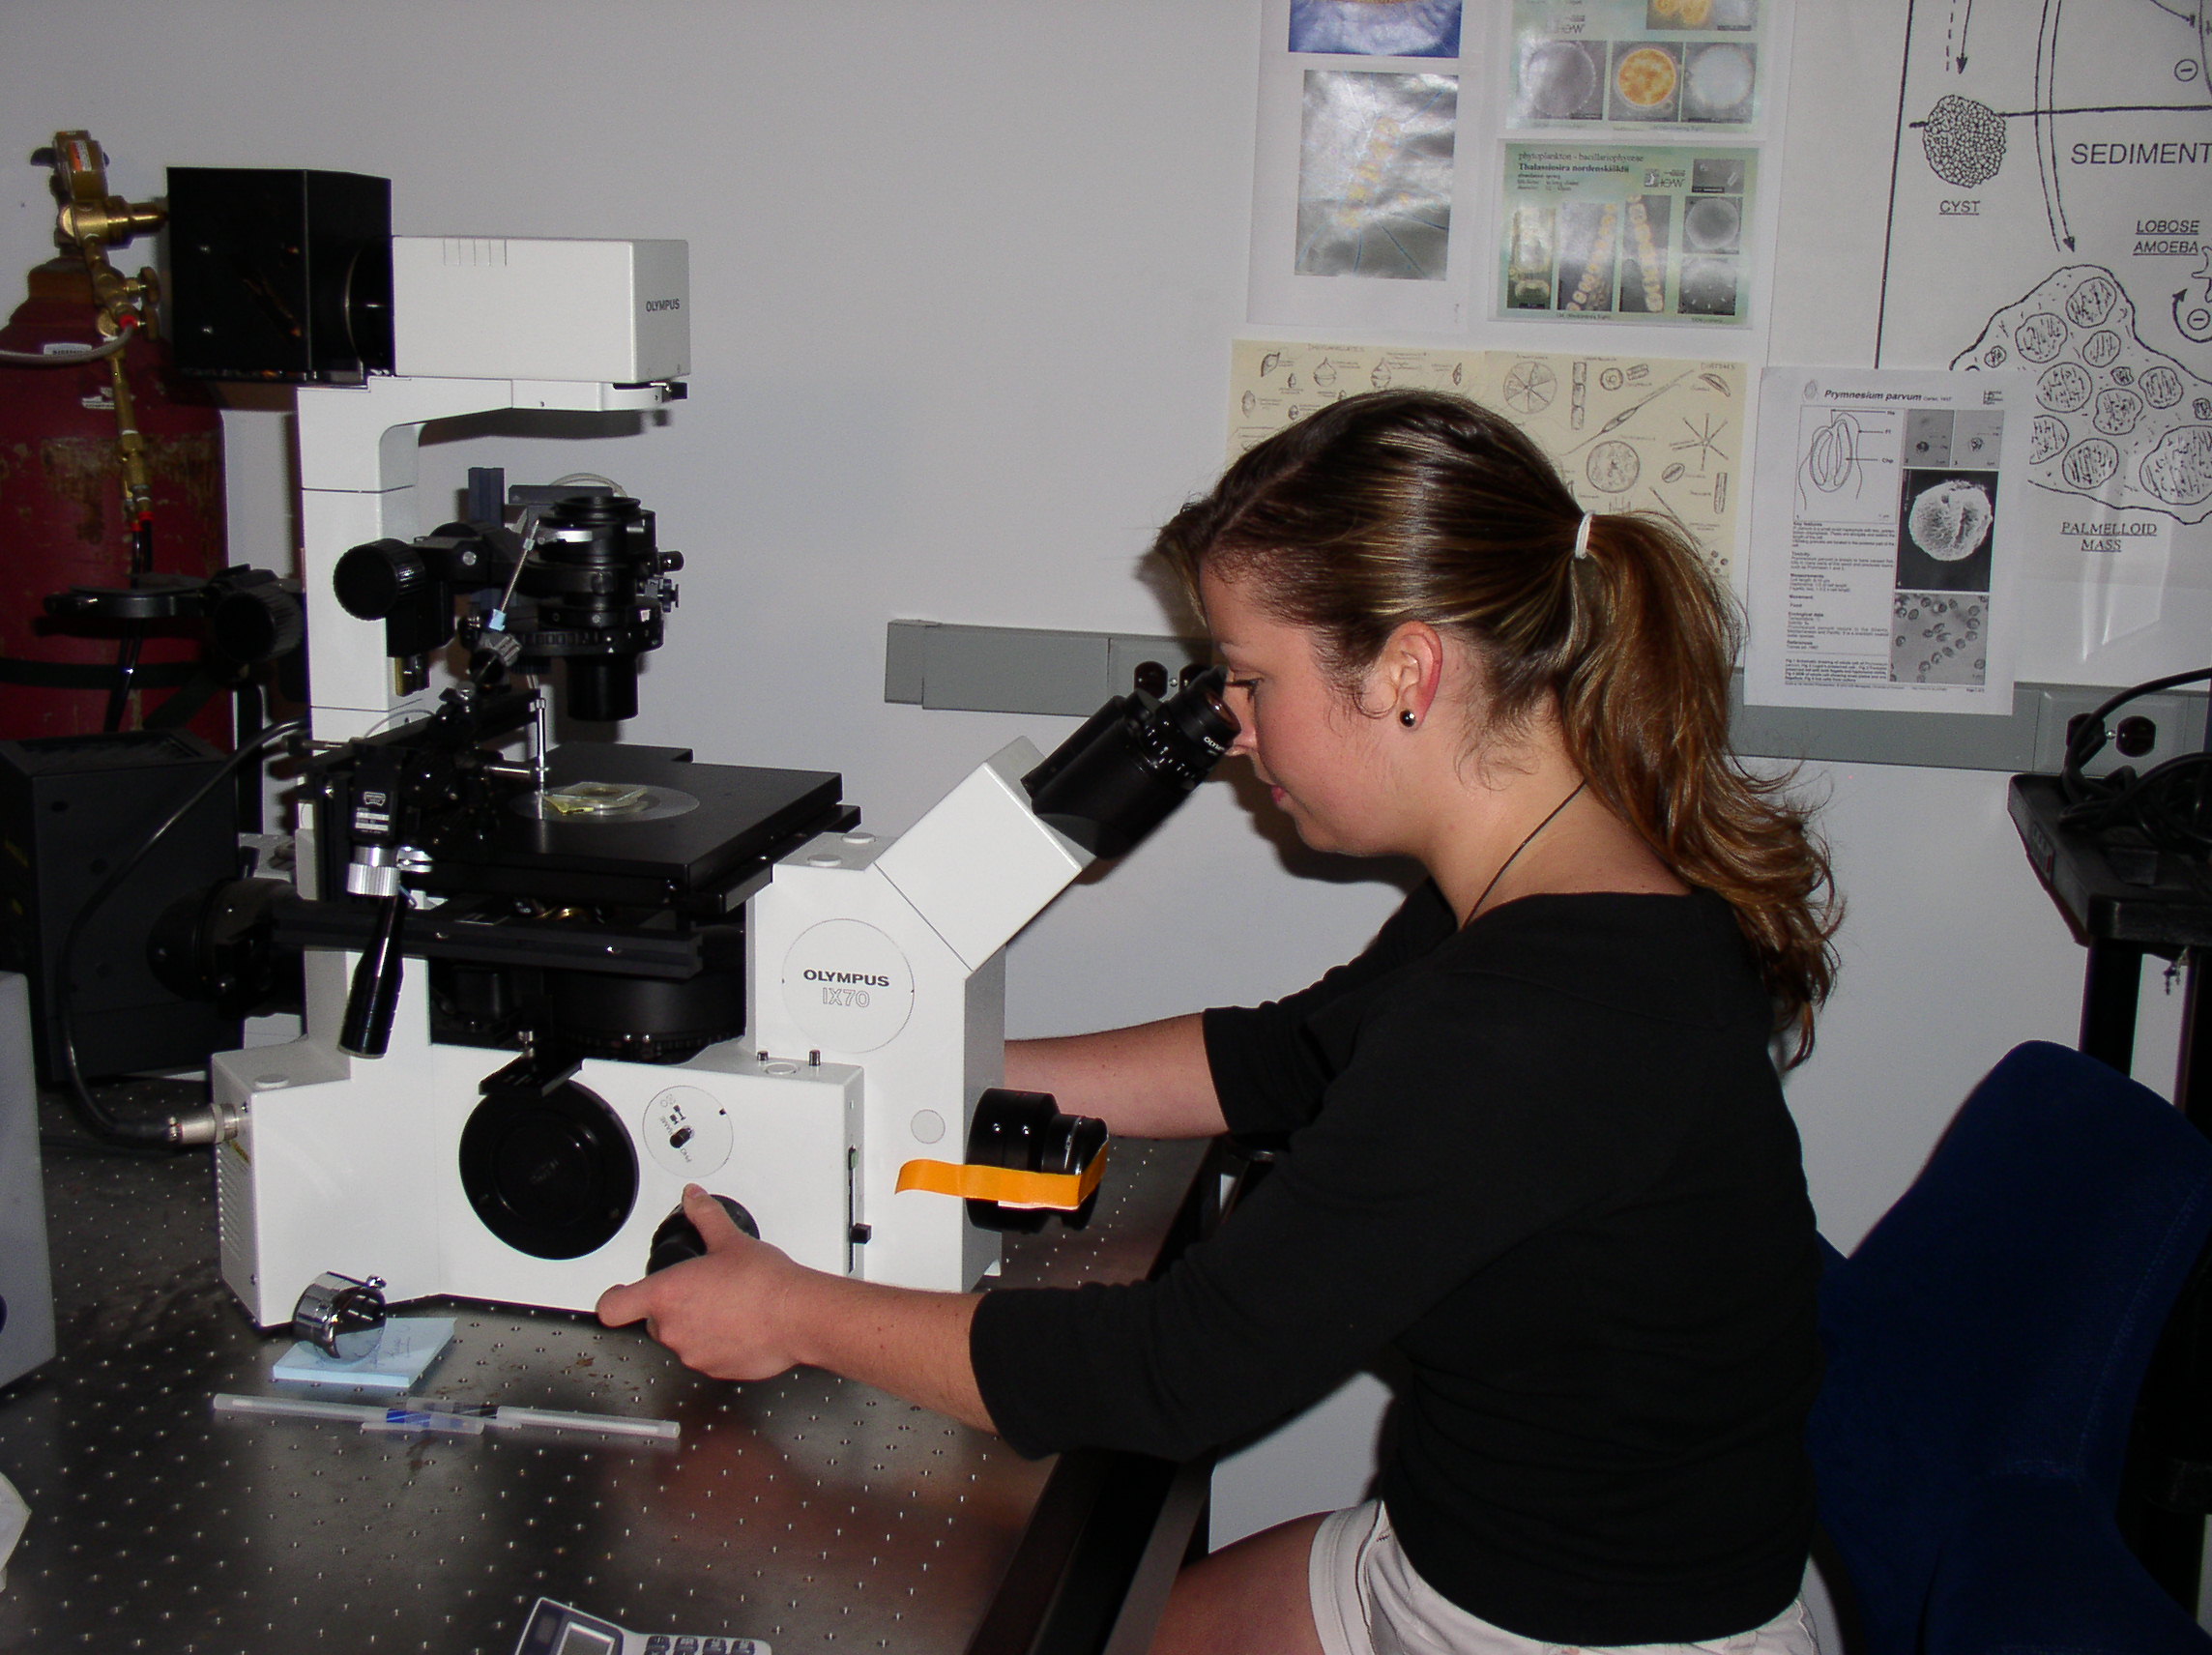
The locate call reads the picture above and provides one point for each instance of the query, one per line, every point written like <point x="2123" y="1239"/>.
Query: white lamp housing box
<point x="541" y="308"/>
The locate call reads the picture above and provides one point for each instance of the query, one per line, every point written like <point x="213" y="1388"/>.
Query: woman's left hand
<point x="721" y="1314"/>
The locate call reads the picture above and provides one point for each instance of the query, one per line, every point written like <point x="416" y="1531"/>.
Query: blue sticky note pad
<point x="404" y="1355"/>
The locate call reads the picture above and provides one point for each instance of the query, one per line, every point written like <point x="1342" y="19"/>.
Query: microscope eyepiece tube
<point x="1128" y="766"/>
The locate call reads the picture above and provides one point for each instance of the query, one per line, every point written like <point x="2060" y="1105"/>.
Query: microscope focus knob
<point x="677" y="1238"/>
<point x="257" y="623"/>
<point x="374" y="580"/>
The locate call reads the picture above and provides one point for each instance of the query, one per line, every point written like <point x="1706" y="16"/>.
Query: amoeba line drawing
<point x="2115" y="421"/>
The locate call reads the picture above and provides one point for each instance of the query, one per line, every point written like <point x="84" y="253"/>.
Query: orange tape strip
<point x="1056" y="1192"/>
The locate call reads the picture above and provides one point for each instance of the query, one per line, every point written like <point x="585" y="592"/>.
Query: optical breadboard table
<point x="809" y="1511"/>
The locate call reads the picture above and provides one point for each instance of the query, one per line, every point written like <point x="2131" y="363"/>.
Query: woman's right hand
<point x="1150" y="1081"/>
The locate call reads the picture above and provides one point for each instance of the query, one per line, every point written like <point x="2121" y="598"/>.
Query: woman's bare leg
<point x="1251" y="1597"/>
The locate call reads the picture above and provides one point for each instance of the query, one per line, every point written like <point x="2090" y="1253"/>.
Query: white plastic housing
<point x="513" y="308"/>
<point x="352" y="1165"/>
<point x="889" y="955"/>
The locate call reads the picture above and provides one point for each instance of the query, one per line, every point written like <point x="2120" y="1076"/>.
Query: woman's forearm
<point x="908" y="1342"/>
<point x="1150" y="1081"/>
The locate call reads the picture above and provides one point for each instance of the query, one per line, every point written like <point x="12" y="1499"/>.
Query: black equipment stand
<point x="2125" y="899"/>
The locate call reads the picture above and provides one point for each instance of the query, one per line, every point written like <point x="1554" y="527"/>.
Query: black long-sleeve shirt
<point x="1547" y="1157"/>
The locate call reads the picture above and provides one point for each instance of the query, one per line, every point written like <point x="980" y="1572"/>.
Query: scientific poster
<point x="1363" y="193"/>
<point x="1628" y="433"/>
<point x="2049" y="201"/>
<point x="1375" y="174"/>
<point x="1636" y="63"/>
<point x="1889" y="558"/>
<point x="1628" y="234"/>
<point x="1364" y="28"/>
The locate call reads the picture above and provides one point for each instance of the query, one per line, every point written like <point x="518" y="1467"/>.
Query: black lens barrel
<point x="1135" y="759"/>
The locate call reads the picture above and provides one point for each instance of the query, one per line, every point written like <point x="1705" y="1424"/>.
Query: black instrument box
<point x="72" y="809"/>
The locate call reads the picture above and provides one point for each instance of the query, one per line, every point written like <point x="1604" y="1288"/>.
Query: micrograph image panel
<point x="1701" y="14"/>
<point x="1938" y="637"/>
<point x="1589" y="245"/>
<point x="1529" y="258"/>
<point x="1376" y="28"/>
<point x="1375" y="174"/>
<point x="1562" y="81"/>
<point x="1945" y="531"/>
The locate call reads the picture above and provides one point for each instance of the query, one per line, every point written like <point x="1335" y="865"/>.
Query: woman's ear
<point x="1407" y="674"/>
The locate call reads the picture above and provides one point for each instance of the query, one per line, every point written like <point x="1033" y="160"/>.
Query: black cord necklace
<point x="1522" y="846"/>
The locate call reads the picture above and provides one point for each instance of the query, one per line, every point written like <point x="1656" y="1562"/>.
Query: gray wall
<point x="965" y="272"/>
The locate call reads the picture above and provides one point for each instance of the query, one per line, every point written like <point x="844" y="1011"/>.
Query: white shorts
<point x="1367" y="1599"/>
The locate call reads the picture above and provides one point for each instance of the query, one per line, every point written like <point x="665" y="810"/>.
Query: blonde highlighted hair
<point x="1413" y="506"/>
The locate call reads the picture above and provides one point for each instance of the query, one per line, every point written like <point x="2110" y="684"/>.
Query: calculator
<point x="557" y="1629"/>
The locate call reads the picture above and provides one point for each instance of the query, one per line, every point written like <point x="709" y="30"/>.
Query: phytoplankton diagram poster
<point x="1627" y="233"/>
<point x="1628" y="433"/>
<point x="1889" y="557"/>
<point x="2053" y="180"/>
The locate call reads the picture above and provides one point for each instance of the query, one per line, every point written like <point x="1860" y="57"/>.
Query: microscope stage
<point x="743" y="818"/>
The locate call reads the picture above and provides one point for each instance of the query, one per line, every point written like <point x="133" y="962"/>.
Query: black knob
<point x="371" y="581"/>
<point x="678" y="1238"/>
<point x="257" y="623"/>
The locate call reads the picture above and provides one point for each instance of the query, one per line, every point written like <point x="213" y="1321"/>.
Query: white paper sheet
<point x="1886" y="564"/>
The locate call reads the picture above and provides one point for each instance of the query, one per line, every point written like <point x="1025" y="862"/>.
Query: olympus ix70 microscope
<point x="546" y="987"/>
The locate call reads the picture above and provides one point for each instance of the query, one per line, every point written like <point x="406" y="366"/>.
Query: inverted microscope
<point x="546" y="986"/>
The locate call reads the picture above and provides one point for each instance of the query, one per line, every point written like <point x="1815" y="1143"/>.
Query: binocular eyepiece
<point x="1138" y="757"/>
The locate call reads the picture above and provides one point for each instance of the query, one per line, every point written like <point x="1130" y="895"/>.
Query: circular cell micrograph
<point x="1951" y="520"/>
<point x="2117" y="412"/>
<point x="2160" y="384"/>
<point x="1559" y="80"/>
<point x="1709" y="287"/>
<point x="2065" y="388"/>
<point x="1529" y="387"/>
<point x="1965" y="141"/>
<point x="2047" y="438"/>
<point x="2179" y="470"/>
<point x="2102" y="348"/>
<point x="2201" y="407"/>
<point x="2040" y="336"/>
<point x="1712" y="225"/>
<point x="1613" y="467"/>
<point x="1645" y="77"/>
<point x="2093" y="300"/>
<point x="1721" y="79"/>
<point x="1994" y="356"/>
<point x="2090" y="463"/>
<point x="1611" y="379"/>
<point x="2123" y="374"/>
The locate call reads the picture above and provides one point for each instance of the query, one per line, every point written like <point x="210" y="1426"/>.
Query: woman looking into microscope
<point x="1536" y="1142"/>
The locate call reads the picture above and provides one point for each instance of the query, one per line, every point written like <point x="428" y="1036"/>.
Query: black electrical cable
<point x="175" y="1131"/>
<point x="2170" y="804"/>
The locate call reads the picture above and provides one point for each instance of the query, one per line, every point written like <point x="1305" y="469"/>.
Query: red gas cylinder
<point x="62" y="520"/>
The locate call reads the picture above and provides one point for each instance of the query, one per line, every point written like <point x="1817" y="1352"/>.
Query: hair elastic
<point x="1581" y="536"/>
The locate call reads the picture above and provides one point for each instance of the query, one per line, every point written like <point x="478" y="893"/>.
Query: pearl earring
<point x="1406" y="718"/>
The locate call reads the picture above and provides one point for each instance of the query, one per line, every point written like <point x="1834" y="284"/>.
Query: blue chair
<point x="1986" y="1344"/>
